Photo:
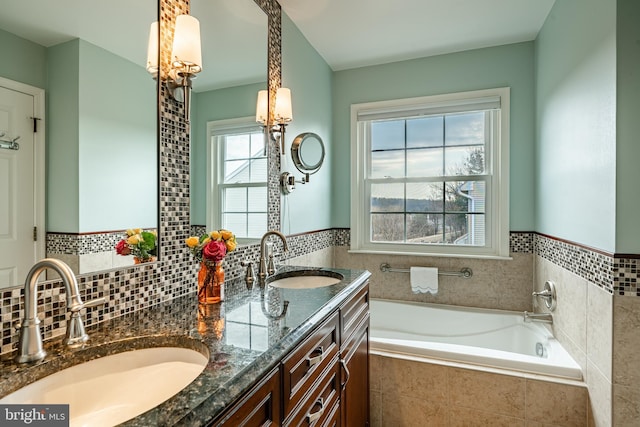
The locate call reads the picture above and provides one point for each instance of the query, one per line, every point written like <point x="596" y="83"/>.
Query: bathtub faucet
<point x="538" y="317"/>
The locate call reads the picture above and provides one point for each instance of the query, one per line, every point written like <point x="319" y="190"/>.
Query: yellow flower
<point x="134" y="240"/>
<point x="192" y="241"/>
<point x="206" y="240"/>
<point x="137" y="230"/>
<point x="215" y="235"/>
<point x="130" y="232"/>
<point x="226" y="234"/>
<point x="231" y="245"/>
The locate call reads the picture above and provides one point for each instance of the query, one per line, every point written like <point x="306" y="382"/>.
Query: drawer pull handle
<point x="346" y="371"/>
<point x="316" y="359"/>
<point x="314" y="416"/>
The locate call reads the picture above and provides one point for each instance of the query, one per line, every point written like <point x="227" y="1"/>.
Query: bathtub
<point x="493" y="338"/>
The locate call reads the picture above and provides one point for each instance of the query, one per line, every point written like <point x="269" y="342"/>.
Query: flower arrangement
<point x="139" y="243"/>
<point x="210" y="250"/>
<point x="212" y="247"/>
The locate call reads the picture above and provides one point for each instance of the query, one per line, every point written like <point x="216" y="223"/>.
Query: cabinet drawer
<point x="305" y="364"/>
<point x="334" y="418"/>
<point x="260" y="407"/>
<point x="317" y="408"/>
<point x="352" y="312"/>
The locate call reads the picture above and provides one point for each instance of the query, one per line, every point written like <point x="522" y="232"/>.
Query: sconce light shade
<point x="262" y="107"/>
<point x="187" y="52"/>
<point x="283" y="112"/>
<point x="152" y="51"/>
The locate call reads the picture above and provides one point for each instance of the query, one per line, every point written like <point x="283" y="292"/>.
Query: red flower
<point x="122" y="248"/>
<point x="214" y="251"/>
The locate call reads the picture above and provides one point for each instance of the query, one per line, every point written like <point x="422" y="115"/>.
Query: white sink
<point x="306" y="280"/>
<point x="115" y="388"/>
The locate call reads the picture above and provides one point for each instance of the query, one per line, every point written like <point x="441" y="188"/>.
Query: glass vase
<point x="210" y="283"/>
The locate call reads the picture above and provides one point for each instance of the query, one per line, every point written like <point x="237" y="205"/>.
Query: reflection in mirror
<point x="98" y="129"/>
<point x="228" y="157"/>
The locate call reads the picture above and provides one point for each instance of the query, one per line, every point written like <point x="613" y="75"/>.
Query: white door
<point x="18" y="216"/>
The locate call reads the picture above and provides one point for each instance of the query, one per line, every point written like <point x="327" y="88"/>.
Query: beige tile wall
<point x="497" y="284"/>
<point x="626" y="368"/>
<point x="583" y="323"/>
<point x="412" y="393"/>
<point x="321" y="258"/>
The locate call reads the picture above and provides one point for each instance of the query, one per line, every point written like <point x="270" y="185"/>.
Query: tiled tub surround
<point x="232" y="369"/>
<point x="410" y="392"/>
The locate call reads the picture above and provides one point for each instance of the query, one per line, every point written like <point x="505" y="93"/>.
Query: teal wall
<point x="117" y="166"/>
<point x="509" y="65"/>
<point x="62" y="112"/>
<point x="628" y="127"/>
<point x="22" y="61"/>
<point x="575" y="73"/>
<point x="101" y="141"/>
<point x="309" y="77"/>
<point x="220" y="104"/>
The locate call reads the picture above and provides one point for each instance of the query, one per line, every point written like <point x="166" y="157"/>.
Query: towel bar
<point x="464" y="273"/>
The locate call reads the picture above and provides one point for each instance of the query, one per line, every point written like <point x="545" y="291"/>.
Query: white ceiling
<point x="355" y="33"/>
<point x="347" y="33"/>
<point x="233" y="32"/>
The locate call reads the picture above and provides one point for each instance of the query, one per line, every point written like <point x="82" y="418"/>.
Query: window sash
<point x="216" y="158"/>
<point x="495" y="176"/>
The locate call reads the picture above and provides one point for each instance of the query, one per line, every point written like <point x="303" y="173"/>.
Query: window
<point x="237" y="177"/>
<point x="430" y="175"/>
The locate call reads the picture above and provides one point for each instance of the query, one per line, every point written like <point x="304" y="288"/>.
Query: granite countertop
<point x="244" y="336"/>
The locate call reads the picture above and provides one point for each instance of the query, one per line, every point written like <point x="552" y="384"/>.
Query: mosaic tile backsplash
<point x="137" y="288"/>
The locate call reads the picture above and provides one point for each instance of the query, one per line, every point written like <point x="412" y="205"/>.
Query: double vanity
<point x="292" y="353"/>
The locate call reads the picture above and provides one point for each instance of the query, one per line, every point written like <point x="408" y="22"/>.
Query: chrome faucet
<point x="30" y="342"/>
<point x="538" y="317"/>
<point x="262" y="270"/>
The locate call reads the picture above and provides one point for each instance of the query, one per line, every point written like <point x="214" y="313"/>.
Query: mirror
<point x="307" y="152"/>
<point x="100" y="122"/>
<point x="234" y="50"/>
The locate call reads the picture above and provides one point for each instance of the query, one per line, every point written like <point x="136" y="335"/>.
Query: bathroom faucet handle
<point x="249" y="276"/>
<point x="95" y="302"/>
<point x="545" y="294"/>
<point x="271" y="267"/>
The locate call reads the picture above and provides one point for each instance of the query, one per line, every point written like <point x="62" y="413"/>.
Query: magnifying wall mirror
<point x="307" y="152"/>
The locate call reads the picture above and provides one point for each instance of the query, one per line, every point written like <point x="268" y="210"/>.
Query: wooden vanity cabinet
<point x="354" y="360"/>
<point x="323" y="382"/>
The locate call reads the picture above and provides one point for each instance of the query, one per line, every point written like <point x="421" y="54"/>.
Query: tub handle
<point x="314" y="416"/>
<point x="316" y="359"/>
<point x="343" y="363"/>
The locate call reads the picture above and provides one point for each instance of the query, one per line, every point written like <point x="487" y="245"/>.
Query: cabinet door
<point x="354" y="399"/>
<point x="259" y="408"/>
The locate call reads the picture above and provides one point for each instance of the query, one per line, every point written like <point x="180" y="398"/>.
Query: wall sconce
<point x="186" y="58"/>
<point x="282" y="115"/>
<point x="152" y="51"/>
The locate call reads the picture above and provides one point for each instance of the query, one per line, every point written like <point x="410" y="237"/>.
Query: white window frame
<point x="497" y="208"/>
<point x="216" y="130"/>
